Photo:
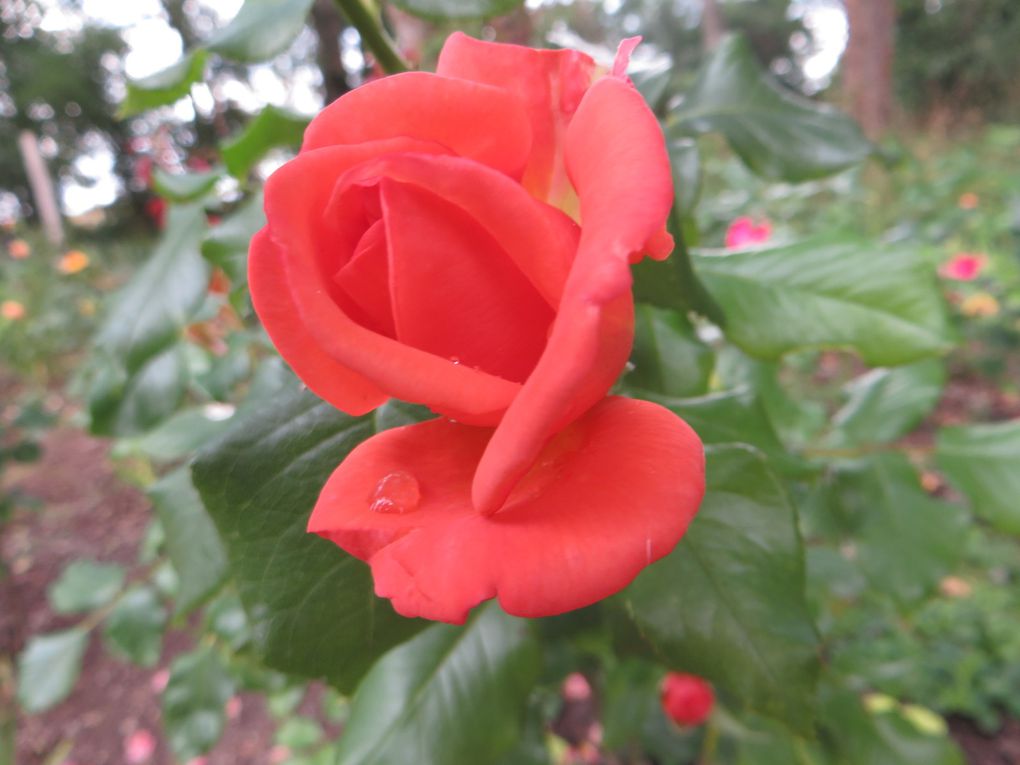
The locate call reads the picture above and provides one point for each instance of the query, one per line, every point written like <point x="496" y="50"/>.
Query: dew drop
<point x="396" y="493"/>
<point x="455" y="360"/>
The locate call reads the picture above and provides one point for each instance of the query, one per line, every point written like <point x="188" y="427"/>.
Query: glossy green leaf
<point x="452" y="695"/>
<point x="164" y="87"/>
<point x="728" y="604"/>
<point x="85" y="585"/>
<point x="668" y="357"/>
<point x="227" y="244"/>
<point x="48" y="668"/>
<point x="272" y="127"/>
<point x="193" y="702"/>
<point x="829" y="293"/>
<point x="983" y="461"/>
<point x="673" y="283"/>
<point x="311" y="605"/>
<point x="260" y="30"/>
<point x="733" y="417"/>
<point x="458" y="9"/>
<point x="885" y="404"/>
<point x="777" y="133"/>
<point x="192" y="541"/>
<point x="151" y="309"/>
<point x="185" y="187"/>
<point x="134" y="629"/>
<point x="905" y="540"/>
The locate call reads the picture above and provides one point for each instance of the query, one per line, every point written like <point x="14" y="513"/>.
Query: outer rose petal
<point x="550" y="83"/>
<point x="296" y="196"/>
<point x="472" y="120"/>
<point x="609" y="495"/>
<point x="617" y="159"/>
<point x="328" y="379"/>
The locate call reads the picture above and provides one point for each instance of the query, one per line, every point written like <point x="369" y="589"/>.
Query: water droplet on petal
<point x="455" y="360"/>
<point x="396" y="493"/>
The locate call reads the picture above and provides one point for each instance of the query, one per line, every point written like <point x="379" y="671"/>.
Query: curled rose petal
<point x="608" y="495"/>
<point x="617" y="159"/>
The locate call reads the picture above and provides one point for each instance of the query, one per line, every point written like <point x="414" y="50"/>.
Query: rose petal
<point x="540" y="239"/>
<point x="455" y="291"/>
<point x="470" y="119"/>
<point x="609" y="495"/>
<point x="293" y="288"/>
<point x="616" y="156"/>
<point x="328" y="379"/>
<point x="550" y="83"/>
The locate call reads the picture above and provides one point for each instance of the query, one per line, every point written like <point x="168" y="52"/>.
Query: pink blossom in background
<point x="745" y="232"/>
<point x="964" y="266"/>
<point x="159" y="680"/>
<point x="576" y="687"/>
<point x="139" y="746"/>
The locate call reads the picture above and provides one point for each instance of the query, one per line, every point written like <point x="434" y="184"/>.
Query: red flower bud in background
<point x="964" y="266"/>
<point x="686" y="699"/>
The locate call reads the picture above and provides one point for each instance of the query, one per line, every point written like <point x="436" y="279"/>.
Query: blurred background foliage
<point x="874" y="377"/>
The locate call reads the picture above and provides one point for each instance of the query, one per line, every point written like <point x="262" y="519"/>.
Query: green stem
<point x="709" y="743"/>
<point x="373" y="35"/>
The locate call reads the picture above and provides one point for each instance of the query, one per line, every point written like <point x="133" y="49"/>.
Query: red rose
<point x="686" y="699"/>
<point x="462" y="240"/>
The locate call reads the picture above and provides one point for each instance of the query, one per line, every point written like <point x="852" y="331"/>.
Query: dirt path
<point x="86" y="512"/>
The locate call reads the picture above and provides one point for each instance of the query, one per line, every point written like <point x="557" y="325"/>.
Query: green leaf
<point x="983" y="462"/>
<point x="193" y="714"/>
<point x="673" y="283"/>
<point x="227" y="244"/>
<point x="260" y="30"/>
<point x="272" y="127"/>
<point x="729" y="603"/>
<point x="164" y="87"/>
<point x="452" y="695"/>
<point x="311" y="605"/>
<point x="668" y="357"/>
<point x="685" y="160"/>
<point x="125" y="405"/>
<point x="885" y="404"/>
<point x="48" y="668"/>
<point x="85" y="585"/>
<point x="298" y="732"/>
<point x="829" y="293"/>
<point x="458" y="9"/>
<point x="151" y="309"/>
<point x="192" y="541"/>
<point x="777" y="133"/>
<point x="906" y="541"/>
<point x="134" y="629"/>
<point x="179" y="435"/>
<point x="733" y="417"/>
<point x="888" y="738"/>
<point x="185" y="187"/>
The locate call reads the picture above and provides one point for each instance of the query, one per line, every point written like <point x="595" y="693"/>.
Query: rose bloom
<point x="72" y="262"/>
<point x="744" y="232"/>
<point x="462" y="240"/>
<point x="686" y="699"/>
<point x="964" y="266"/>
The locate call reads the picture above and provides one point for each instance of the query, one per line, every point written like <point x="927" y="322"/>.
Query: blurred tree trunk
<point x="328" y="27"/>
<point x="867" y="64"/>
<point x="712" y="25"/>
